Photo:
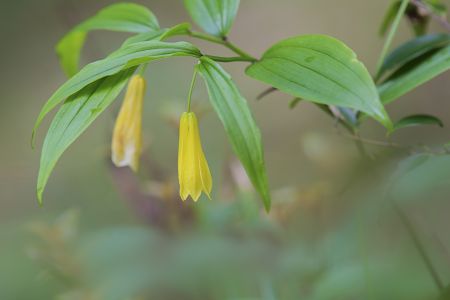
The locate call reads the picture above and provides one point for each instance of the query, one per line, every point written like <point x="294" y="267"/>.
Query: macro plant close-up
<point x="225" y="149"/>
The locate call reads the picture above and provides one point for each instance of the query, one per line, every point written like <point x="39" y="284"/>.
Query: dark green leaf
<point x="320" y="69"/>
<point x="126" y="17"/>
<point x="126" y="57"/>
<point x="214" y="16"/>
<point x="239" y="124"/>
<point x="418" y="120"/>
<point x="72" y="119"/>
<point x="412" y="50"/>
<point x="429" y="68"/>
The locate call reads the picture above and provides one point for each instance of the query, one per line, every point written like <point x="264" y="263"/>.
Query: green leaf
<point x="126" y="57"/>
<point x="239" y="124"/>
<point x="429" y="68"/>
<point x="418" y="120"/>
<point x="158" y="35"/>
<point x="213" y="16"/>
<point x="125" y="17"/>
<point x="412" y="50"/>
<point x="389" y="17"/>
<point x="72" y="119"/>
<point x="320" y="69"/>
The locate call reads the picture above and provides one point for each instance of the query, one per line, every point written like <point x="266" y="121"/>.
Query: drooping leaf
<point x="320" y="69"/>
<point x="72" y="119"/>
<point x="125" y="17"/>
<point x="239" y="124"/>
<point x="213" y="16"/>
<point x="126" y="57"/>
<point x="412" y="50"/>
<point x="426" y="70"/>
<point x="418" y="120"/>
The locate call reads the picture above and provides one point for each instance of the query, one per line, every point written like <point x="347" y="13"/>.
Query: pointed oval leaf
<point x="125" y="17"/>
<point x="320" y="69"/>
<point x="126" y="57"/>
<point x="72" y="119"/>
<point x="412" y="50"/>
<point x="213" y="16"/>
<point x="429" y="68"/>
<point x="239" y="124"/>
<point x="418" y="120"/>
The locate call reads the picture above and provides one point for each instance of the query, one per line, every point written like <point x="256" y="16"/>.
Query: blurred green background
<point x="105" y="234"/>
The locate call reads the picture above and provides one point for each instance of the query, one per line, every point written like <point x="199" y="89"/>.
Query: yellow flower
<point x="193" y="171"/>
<point x="127" y="136"/>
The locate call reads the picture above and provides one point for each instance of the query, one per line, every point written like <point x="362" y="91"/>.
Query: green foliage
<point x="74" y="117"/>
<point x="127" y="17"/>
<point x="315" y="68"/>
<point x="129" y="56"/>
<point x="239" y="124"/>
<point x="213" y="16"/>
<point x="389" y="17"/>
<point x="412" y="50"/>
<point x="414" y="74"/>
<point x="321" y="69"/>
<point x="417" y="120"/>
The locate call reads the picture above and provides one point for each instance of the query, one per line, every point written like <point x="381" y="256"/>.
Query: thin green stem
<point x="238" y="50"/>
<point x="229" y="59"/>
<point x="191" y="89"/>
<point x="392" y="31"/>
<point x="224" y="42"/>
<point x="206" y="37"/>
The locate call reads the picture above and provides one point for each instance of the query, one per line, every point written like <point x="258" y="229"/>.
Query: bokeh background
<point x="103" y="233"/>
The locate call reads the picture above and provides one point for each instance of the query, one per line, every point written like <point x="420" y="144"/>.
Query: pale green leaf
<point x="72" y="119"/>
<point x="126" y="57"/>
<point x="239" y="124"/>
<point x="125" y="17"/>
<point x="413" y="77"/>
<point x="213" y="16"/>
<point x="320" y="69"/>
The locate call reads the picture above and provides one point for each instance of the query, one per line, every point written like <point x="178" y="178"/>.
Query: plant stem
<point x="224" y="42"/>
<point x="191" y="89"/>
<point x="237" y="50"/>
<point x="229" y="59"/>
<point x="392" y="31"/>
<point x="426" y="259"/>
